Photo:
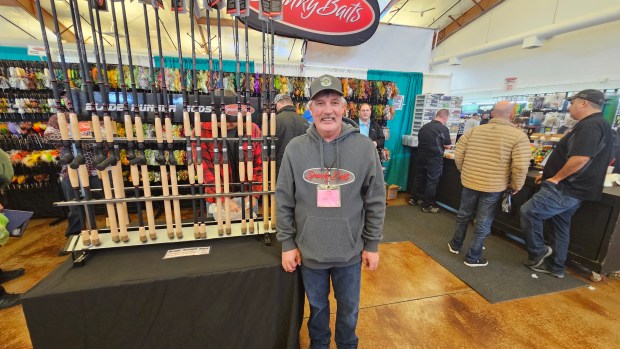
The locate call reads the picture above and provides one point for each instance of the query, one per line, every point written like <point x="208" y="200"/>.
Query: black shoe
<point x="451" y="249"/>
<point x="413" y="202"/>
<point x="8" y="300"/>
<point x="543" y="268"/>
<point x="8" y="275"/>
<point x="430" y="209"/>
<point x="538" y="261"/>
<point x="482" y="262"/>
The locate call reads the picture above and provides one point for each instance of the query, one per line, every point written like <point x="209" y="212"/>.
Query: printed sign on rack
<point x="334" y="22"/>
<point x="398" y="102"/>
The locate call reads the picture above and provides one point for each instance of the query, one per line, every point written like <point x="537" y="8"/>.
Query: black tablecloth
<point x="238" y="296"/>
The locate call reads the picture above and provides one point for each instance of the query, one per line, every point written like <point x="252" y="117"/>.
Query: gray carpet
<point x="505" y="278"/>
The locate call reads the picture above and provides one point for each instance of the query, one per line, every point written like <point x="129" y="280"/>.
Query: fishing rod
<point x="146" y="185"/>
<point x="191" y="169"/>
<point x="248" y="125"/>
<point x="172" y="161"/>
<point x="224" y="128"/>
<point x="161" y="160"/>
<point x="86" y="238"/>
<point x="272" y="131"/>
<point x="244" y="228"/>
<point x="131" y="154"/>
<point x="265" y="133"/>
<point x="117" y="170"/>
<point x="214" y="130"/>
<point x="79" y="161"/>
<point x="96" y="125"/>
<point x="111" y="159"/>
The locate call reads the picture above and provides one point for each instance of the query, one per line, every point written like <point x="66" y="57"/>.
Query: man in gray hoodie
<point x="330" y="207"/>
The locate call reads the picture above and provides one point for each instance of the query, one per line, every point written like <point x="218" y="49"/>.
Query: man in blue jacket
<point x="331" y="207"/>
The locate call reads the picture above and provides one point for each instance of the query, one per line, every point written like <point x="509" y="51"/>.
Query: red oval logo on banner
<point x="231" y="109"/>
<point x="330" y="17"/>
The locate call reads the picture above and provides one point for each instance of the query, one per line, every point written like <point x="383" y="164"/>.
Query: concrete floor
<point x="409" y="302"/>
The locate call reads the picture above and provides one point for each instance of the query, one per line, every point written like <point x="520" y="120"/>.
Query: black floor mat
<point x="505" y="278"/>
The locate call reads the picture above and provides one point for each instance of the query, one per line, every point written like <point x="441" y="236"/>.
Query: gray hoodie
<point x="330" y="237"/>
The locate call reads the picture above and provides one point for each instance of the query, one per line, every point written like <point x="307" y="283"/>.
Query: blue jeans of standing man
<point x="549" y="203"/>
<point x="346" y="283"/>
<point x="486" y="204"/>
<point x="426" y="180"/>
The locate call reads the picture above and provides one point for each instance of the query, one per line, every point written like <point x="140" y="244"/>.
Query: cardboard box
<point x="391" y="191"/>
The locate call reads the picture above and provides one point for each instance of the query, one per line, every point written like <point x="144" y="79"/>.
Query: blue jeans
<point x="549" y="203"/>
<point x="426" y="180"/>
<point x="486" y="204"/>
<point x="346" y="282"/>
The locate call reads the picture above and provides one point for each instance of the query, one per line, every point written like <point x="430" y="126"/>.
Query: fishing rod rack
<point x="219" y="168"/>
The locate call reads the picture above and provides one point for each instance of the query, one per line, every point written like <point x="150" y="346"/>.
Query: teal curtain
<point x="409" y="85"/>
<point x="203" y="64"/>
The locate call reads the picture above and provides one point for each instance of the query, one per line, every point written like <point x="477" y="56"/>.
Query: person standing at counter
<point x="485" y="119"/>
<point x="433" y="139"/>
<point x="492" y="158"/>
<point x="574" y="172"/>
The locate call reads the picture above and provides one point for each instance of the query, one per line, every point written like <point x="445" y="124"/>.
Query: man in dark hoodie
<point x="331" y="207"/>
<point x="289" y="125"/>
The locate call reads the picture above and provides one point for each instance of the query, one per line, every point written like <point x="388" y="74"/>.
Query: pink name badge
<point x="328" y="196"/>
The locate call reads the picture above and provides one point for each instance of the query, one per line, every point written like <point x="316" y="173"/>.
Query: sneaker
<point x="543" y="268"/>
<point x="430" y="209"/>
<point x="482" y="262"/>
<point x="538" y="261"/>
<point x="413" y="202"/>
<point x="8" y="300"/>
<point x="8" y="275"/>
<point x="453" y="250"/>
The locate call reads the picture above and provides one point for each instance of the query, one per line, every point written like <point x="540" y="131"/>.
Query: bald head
<point x="502" y="110"/>
<point x="442" y="115"/>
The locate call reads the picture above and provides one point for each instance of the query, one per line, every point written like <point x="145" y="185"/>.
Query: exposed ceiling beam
<point x="454" y="20"/>
<point x="478" y="4"/>
<point x="225" y="22"/>
<point x="30" y="8"/>
<point x="466" y="18"/>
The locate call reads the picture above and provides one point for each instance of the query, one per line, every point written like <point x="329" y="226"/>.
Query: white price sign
<point x="397" y="102"/>
<point x="36" y="50"/>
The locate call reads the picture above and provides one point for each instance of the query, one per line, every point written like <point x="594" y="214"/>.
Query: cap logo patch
<point x="326" y="82"/>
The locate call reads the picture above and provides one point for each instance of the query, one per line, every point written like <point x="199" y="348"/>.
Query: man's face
<point x="365" y="112"/>
<point x="327" y="110"/>
<point x="575" y="108"/>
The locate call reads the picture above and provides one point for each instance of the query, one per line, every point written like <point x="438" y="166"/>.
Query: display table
<point x="595" y="228"/>
<point x="238" y="296"/>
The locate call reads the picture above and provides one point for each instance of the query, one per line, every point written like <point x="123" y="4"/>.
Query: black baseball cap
<point x="325" y="83"/>
<point x="595" y="96"/>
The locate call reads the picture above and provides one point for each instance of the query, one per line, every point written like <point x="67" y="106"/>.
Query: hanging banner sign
<point x="333" y="22"/>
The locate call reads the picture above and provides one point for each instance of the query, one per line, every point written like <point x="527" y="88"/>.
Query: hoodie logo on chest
<point x="323" y="176"/>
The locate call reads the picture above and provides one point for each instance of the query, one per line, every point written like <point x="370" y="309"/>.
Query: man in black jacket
<point x="369" y="127"/>
<point x="289" y="125"/>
